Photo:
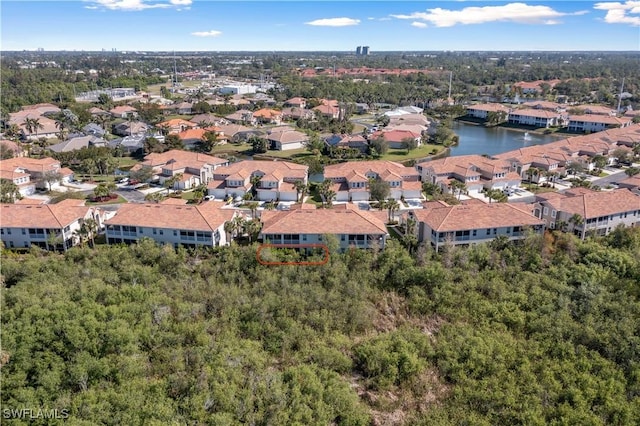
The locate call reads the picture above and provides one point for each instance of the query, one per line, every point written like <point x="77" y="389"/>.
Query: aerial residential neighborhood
<point x="187" y="150"/>
<point x="388" y="213"/>
<point x="468" y="179"/>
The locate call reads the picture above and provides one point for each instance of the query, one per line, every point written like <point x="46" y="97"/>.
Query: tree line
<point x="542" y="332"/>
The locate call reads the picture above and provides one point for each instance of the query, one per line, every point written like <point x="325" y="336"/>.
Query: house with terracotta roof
<point x="396" y="137"/>
<point x="481" y="111"/>
<point x="20" y="178"/>
<point x="596" y="122"/>
<point x="194" y="168"/>
<point x="242" y="116"/>
<point x="273" y="180"/>
<point x="47" y="128"/>
<point x="283" y="140"/>
<point x="42" y="108"/>
<point x="181" y="108"/>
<point x="595" y="109"/>
<point x="348" y="142"/>
<point x="534" y="87"/>
<point x="206" y="120"/>
<point x="440" y="224"/>
<point x="27" y="225"/>
<point x="123" y="111"/>
<point x="351" y="179"/>
<point x="545" y="105"/>
<point x="632" y="183"/>
<point x="189" y="226"/>
<point x="409" y="120"/>
<point x="191" y="138"/>
<point x="175" y="125"/>
<point x="296" y="113"/>
<point x="586" y="212"/>
<point x="328" y="108"/>
<point x="95" y="111"/>
<point x="296" y="102"/>
<point x="36" y="168"/>
<point x="475" y="171"/>
<point x="238" y="132"/>
<point x="534" y="117"/>
<point x="268" y="116"/>
<point x="352" y="227"/>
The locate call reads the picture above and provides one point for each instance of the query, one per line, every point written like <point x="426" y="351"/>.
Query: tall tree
<point x="9" y="191"/>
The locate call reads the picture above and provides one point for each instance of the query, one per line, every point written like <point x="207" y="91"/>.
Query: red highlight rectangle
<point x="301" y="263"/>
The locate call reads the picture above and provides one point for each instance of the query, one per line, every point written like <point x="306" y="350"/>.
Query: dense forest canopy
<point x="543" y="332"/>
<point x="54" y="77"/>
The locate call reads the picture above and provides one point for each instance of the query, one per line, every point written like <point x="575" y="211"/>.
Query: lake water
<point x="494" y="140"/>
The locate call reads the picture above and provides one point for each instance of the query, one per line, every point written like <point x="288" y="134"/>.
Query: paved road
<point x="615" y="177"/>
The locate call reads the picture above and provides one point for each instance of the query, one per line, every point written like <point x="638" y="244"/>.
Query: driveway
<point x="131" y="196"/>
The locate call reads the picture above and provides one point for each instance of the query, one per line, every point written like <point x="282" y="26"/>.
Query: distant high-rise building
<point x="365" y="50"/>
<point x="359" y="50"/>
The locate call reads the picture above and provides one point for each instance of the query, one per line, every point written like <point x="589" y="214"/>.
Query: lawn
<point x="401" y="154"/>
<point x="95" y="178"/>
<point x="538" y="189"/>
<point x="126" y="162"/>
<point x="292" y="153"/>
<point x="243" y="149"/>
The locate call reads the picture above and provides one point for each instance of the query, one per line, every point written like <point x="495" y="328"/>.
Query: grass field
<point x="401" y="154"/>
<point x="233" y="149"/>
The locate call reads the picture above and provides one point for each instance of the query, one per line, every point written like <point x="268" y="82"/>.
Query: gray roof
<point x="77" y="143"/>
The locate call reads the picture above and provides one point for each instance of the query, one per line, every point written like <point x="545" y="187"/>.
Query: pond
<point x="480" y="140"/>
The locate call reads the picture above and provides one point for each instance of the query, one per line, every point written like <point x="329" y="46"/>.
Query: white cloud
<point x="212" y="33"/>
<point x="621" y="13"/>
<point x="334" y="22"/>
<point x="512" y="12"/>
<point x="419" y="24"/>
<point x="136" y="5"/>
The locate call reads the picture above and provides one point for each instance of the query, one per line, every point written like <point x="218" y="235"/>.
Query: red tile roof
<point x="322" y="221"/>
<point x="203" y="217"/>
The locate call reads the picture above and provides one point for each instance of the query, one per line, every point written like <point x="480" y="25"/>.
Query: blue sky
<point x="211" y="25"/>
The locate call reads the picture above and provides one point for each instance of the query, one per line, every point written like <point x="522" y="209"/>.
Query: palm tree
<point x="102" y="190"/>
<point x="154" y="197"/>
<point x="12" y="131"/>
<point x="91" y="228"/>
<point x="325" y="192"/>
<point x="81" y="235"/>
<point x="229" y="229"/>
<point x="253" y="206"/>
<point x="199" y="193"/>
<point x="169" y="183"/>
<point x="255" y="180"/>
<point x="301" y="188"/>
<point x="457" y="186"/>
<point x="577" y="220"/>
<point x="532" y="172"/>
<point x="238" y="224"/>
<point x="252" y="228"/>
<point x="103" y="121"/>
<point x="392" y="206"/>
<point x="33" y="125"/>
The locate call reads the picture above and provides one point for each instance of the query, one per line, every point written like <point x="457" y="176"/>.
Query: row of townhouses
<point x="581" y="211"/>
<point x="589" y="118"/>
